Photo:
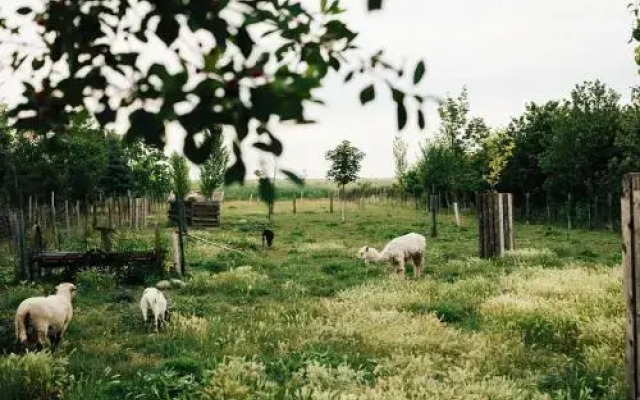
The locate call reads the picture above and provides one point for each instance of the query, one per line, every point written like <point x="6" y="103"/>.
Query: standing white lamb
<point x="153" y="300"/>
<point x="49" y="316"/>
<point x="410" y="247"/>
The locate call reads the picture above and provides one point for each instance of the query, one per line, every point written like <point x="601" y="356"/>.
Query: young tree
<point x="498" y="148"/>
<point x="180" y="176"/>
<point x="453" y="120"/>
<point x="400" y="157"/>
<point x="212" y="171"/>
<point x="151" y="170"/>
<point x="118" y="178"/>
<point x="345" y="165"/>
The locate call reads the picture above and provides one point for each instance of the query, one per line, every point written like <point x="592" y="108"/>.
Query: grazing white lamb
<point x="49" y="316"/>
<point x="153" y="300"/>
<point x="410" y="247"/>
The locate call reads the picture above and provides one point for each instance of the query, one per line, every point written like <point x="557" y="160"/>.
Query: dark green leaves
<point x="349" y="76"/>
<point x="419" y="72"/>
<point x="374" y="5"/>
<point x="274" y="146"/>
<point x="197" y="154"/>
<point x="367" y="94"/>
<point x="266" y="190"/>
<point x="168" y="30"/>
<point x="421" y="119"/>
<point x="81" y="33"/>
<point x="148" y="126"/>
<point x="402" y="116"/>
<point x="36" y="64"/>
<point x="292" y="177"/>
<point x="236" y="173"/>
<point x="244" y="42"/>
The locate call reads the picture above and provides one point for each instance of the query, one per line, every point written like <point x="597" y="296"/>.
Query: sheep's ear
<point x="366" y="248"/>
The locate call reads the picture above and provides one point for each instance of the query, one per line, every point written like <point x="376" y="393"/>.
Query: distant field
<point x="285" y="189"/>
<point x="307" y="320"/>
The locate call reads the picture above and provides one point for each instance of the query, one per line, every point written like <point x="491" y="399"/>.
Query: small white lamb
<point x="49" y="316"/>
<point x="410" y="247"/>
<point x="153" y="300"/>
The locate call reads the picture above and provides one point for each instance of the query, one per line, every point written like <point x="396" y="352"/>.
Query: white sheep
<point x="49" y="316"/>
<point x="153" y="300"/>
<point x="410" y="247"/>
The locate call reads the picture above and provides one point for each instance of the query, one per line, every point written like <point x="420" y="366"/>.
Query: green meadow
<point x="308" y="320"/>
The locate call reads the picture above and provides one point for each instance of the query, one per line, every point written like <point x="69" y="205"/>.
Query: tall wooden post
<point x="569" y="211"/>
<point x="53" y="221"/>
<point x="610" y="216"/>
<point x="630" y="221"/>
<point x="495" y="223"/>
<point x="331" y="202"/>
<point x="528" y="207"/>
<point x="66" y="216"/>
<point x="181" y="232"/>
<point x="78" y="214"/>
<point x="30" y="218"/>
<point x="457" y="213"/>
<point x="294" y="204"/>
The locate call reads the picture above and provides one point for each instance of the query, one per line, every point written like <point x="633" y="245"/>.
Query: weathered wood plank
<point x="629" y="220"/>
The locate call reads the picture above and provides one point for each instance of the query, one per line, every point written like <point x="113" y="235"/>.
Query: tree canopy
<point x="239" y="63"/>
<point x="345" y="163"/>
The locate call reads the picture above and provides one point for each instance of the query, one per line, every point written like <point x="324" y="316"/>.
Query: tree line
<point x="581" y="145"/>
<point x="83" y="162"/>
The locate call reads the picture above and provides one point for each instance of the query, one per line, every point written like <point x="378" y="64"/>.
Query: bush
<point x="163" y="385"/>
<point x="91" y="280"/>
<point x="577" y="381"/>
<point x="33" y="376"/>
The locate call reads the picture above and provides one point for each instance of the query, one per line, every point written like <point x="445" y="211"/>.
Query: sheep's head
<point x="66" y="288"/>
<point x="365" y="254"/>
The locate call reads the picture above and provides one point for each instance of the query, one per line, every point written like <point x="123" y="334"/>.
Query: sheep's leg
<point x="144" y="317"/>
<point x="418" y="261"/>
<point x="41" y="339"/>
<point x="400" y="267"/>
<point x="55" y="339"/>
<point x="156" y="321"/>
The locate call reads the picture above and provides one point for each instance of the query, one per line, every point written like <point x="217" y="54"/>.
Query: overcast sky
<point x="507" y="52"/>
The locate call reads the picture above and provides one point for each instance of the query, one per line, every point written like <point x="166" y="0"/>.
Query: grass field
<point x="307" y="320"/>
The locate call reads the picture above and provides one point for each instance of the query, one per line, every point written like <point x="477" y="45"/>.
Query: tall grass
<point x="307" y="320"/>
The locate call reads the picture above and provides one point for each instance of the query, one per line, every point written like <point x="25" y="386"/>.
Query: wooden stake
<point x="53" y="221"/>
<point x="433" y="205"/>
<point x="66" y="216"/>
<point x="457" y="214"/>
<point x="331" y="202"/>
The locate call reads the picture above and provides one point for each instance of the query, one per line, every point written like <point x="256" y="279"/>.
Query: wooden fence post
<point x="495" y="223"/>
<point x="331" y="202"/>
<point x="457" y="214"/>
<point x="30" y="218"/>
<point x="610" y="216"/>
<point x="630" y="223"/>
<point x="569" y="211"/>
<point x="528" y="207"/>
<point x="66" y="216"/>
<point x="53" y="221"/>
<point x="434" y="222"/>
<point x="294" y="204"/>
<point x="78" y="214"/>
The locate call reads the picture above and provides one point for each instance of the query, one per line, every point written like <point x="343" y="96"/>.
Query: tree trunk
<point x="342" y="200"/>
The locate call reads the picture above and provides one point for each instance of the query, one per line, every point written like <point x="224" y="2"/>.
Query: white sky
<point x="507" y="52"/>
